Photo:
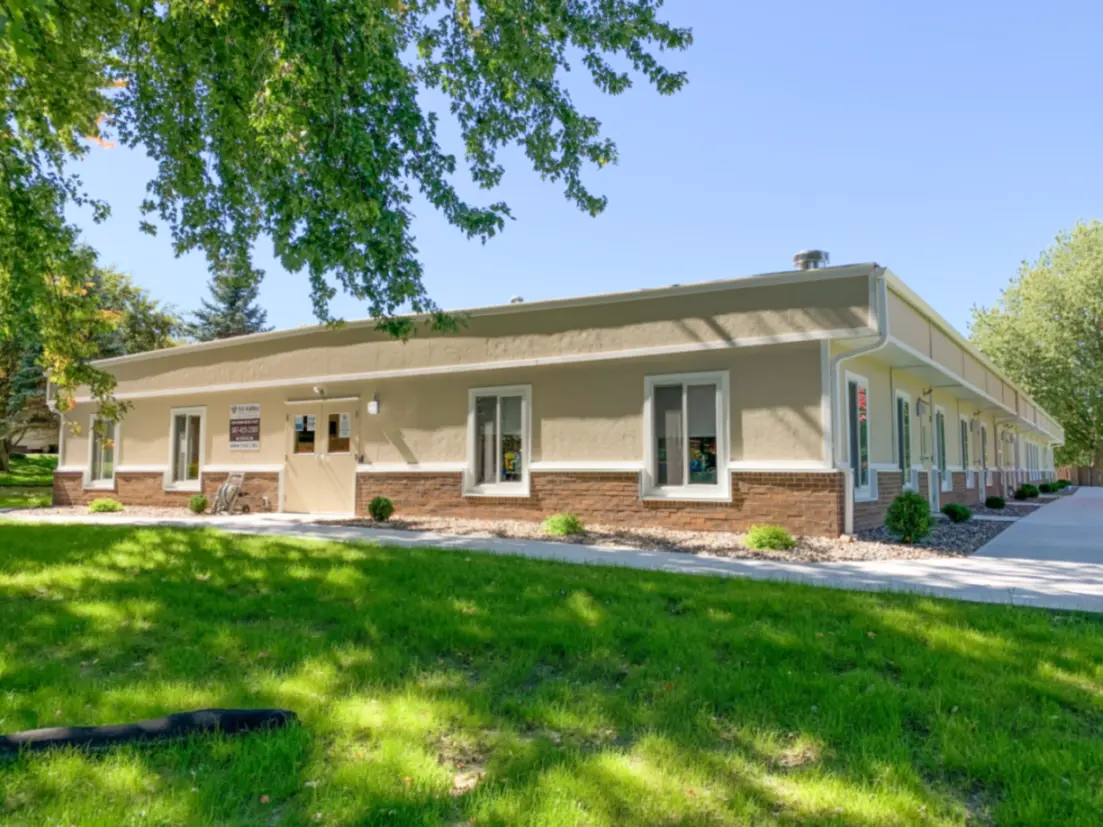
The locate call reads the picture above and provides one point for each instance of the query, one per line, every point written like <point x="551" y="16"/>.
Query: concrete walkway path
<point x="1069" y="530"/>
<point x="1054" y="584"/>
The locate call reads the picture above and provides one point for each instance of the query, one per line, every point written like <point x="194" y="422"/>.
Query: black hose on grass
<point x="180" y="725"/>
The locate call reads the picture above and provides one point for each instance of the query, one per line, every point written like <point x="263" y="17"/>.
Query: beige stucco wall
<point x="908" y="324"/>
<point x="881" y="406"/>
<point x="673" y="321"/>
<point x="585" y="412"/>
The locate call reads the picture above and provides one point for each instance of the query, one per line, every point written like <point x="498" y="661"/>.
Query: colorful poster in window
<point x="310" y="423"/>
<point x="245" y="427"/>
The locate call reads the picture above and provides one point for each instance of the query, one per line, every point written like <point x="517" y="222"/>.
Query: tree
<point x="1046" y="332"/>
<point x="117" y="318"/>
<point x="233" y="310"/>
<point x="308" y="123"/>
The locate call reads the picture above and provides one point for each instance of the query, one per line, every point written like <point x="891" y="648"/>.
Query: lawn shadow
<point x="436" y="687"/>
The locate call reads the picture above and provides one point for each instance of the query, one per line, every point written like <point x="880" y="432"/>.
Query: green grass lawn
<point x="28" y="470"/>
<point x="454" y="688"/>
<point x="25" y="497"/>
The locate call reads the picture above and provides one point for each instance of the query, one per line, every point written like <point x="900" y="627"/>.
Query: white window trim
<point x="649" y="490"/>
<point x="866" y="493"/>
<point x="500" y="489"/>
<point x="964" y="449"/>
<point x="107" y="484"/>
<point x="187" y="485"/>
<point x="911" y="482"/>
<point x="946" y="477"/>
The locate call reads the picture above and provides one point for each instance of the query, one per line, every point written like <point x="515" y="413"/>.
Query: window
<point x="187" y="448"/>
<point x="857" y="421"/>
<point x="686" y="428"/>
<point x="303" y="440"/>
<point x="940" y="448"/>
<point x="965" y="452"/>
<point x="904" y="437"/>
<point x="101" y="452"/>
<point x="498" y="440"/>
<point x="340" y="432"/>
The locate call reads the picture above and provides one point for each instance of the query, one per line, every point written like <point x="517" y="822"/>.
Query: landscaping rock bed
<point x="82" y="511"/>
<point x="946" y="539"/>
<point x="1012" y="509"/>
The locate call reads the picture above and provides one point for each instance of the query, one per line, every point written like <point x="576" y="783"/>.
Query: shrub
<point x="909" y="517"/>
<point x="1048" y="488"/>
<point x="957" y="513"/>
<point x="995" y="502"/>
<point x="1063" y="483"/>
<point x="563" y="525"/>
<point x="197" y="504"/>
<point x="104" y="505"/>
<point x="769" y="538"/>
<point x="1026" y="491"/>
<point x="381" y="509"/>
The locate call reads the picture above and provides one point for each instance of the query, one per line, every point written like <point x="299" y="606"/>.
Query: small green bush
<point x="197" y="504"/>
<point x="381" y="509"/>
<point x="957" y="513"/>
<point x="995" y="502"/>
<point x="104" y="505"/>
<point x="1048" y="488"/>
<point x="769" y="538"/>
<point x="1063" y="483"/>
<point x="1026" y="491"/>
<point x="563" y="525"/>
<point x="909" y="517"/>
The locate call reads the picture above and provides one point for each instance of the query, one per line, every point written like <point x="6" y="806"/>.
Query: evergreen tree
<point x="232" y="310"/>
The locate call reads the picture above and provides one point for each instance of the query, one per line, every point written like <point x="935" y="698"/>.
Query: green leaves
<point x="1047" y="333"/>
<point x="304" y="121"/>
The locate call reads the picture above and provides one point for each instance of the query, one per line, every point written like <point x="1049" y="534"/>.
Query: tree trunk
<point x="1097" y="467"/>
<point x="5" y="455"/>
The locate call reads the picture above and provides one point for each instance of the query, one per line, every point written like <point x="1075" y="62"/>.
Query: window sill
<point x="190" y="486"/>
<point x="502" y="491"/>
<point x="687" y="495"/>
<point x="100" y="485"/>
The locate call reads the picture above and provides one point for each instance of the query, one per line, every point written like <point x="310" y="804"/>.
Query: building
<point x="807" y="398"/>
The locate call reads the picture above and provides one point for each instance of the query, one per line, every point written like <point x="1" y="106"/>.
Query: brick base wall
<point x="923" y="481"/>
<point x="804" y="503"/>
<point x="872" y="514"/>
<point x="960" y="494"/>
<point x="147" y="488"/>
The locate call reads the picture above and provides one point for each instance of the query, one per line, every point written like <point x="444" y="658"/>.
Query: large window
<point x="857" y="423"/>
<point x="101" y="452"/>
<point x="499" y="441"/>
<point x="686" y="430"/>
<point x="904" y="437"/>
<point x="187" y="448"/>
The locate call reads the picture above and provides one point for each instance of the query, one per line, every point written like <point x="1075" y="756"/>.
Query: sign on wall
<point x="245" y="427"/>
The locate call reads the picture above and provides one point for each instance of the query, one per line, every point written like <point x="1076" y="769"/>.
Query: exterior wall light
<point x="373" y="405"/>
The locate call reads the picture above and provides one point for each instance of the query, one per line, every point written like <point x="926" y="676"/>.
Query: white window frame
<point x="867" y="492"/>
<point x="722" y="489"/>
<point x="963" y="448"/>
<point x="906" y="471"/>
<point x="197" y="483"/>
<point x="500" y="489"/>
<point x="985" y="468"/>
<point x="107" y="484"/>
<point x="946" y="474"/>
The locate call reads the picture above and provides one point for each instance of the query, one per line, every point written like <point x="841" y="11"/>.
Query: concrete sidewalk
<point x="985" y="579"/>
<point x="1069" y="530"/>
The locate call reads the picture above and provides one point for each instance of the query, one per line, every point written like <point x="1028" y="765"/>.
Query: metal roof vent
<point x="811" y="259"/>
<point x="515" y="300"/>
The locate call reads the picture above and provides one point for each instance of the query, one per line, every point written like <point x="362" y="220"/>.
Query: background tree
<point x="308" y="123"/>
<point x="233" y="309"/>
<point x="114" y="318"/>
<point x="1046" y="332"/>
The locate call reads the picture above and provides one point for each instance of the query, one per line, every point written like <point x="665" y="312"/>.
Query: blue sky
<point x="946" y="140"/>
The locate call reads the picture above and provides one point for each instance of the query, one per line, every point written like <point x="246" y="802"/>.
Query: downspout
<point x="881" y="301"/>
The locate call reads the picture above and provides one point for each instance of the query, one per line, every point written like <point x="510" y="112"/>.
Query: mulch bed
<point x="945" y="540"/>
